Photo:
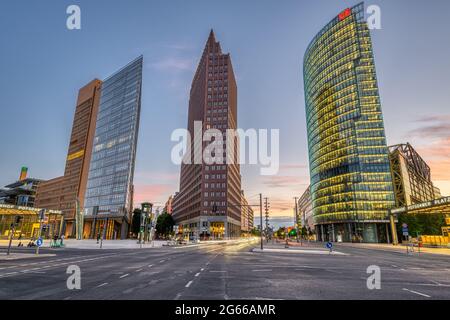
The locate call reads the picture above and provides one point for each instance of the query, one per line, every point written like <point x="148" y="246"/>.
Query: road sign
<point x="39" y="242"/>
<point x="405" y="230"/>
<point x="329" y="245"/>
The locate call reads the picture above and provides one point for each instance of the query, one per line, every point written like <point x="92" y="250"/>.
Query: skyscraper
<point x="66" y="192"/>
<point x="208" y="203"/>
<point x="351" y="184"/>
<point x="108" y="197"/>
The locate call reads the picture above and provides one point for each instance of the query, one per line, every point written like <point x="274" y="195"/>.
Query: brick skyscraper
<point x="207" y="205"/>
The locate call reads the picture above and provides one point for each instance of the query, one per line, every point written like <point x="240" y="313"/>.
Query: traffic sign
<point x="39" y="242"/>
<point x="329" y="245"/>
<point x="405" y="230"/>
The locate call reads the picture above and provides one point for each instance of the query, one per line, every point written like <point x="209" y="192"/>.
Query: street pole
<point x="296" y="218"/>
<point x="261" y="219"/>
<point x="39" y="234"/>
<point x="12" y="230"/>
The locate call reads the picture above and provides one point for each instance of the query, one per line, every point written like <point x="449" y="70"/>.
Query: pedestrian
<point x="62" y="240"/>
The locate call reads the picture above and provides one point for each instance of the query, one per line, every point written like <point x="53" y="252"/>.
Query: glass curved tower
<point x="351" y="184"/>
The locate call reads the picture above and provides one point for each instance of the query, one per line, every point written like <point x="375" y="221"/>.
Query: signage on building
<point x="422" y="205"/>
<point x="344" y="14"/>
<point x="75" y="155"/>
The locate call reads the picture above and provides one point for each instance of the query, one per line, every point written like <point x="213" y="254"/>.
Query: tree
<point x="164" y="225"/>
<point x="136" y="221"/>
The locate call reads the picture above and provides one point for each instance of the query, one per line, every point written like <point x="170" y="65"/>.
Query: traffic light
<point x="17" y="220"/>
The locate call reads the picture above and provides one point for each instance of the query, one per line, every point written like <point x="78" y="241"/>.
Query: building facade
<point x="29" y="224"/>
<point x="305" y="216"/>
<point x="66" y="193"/>
<point x="247" y="215"/>
<point x="208" y="202"/>
<point x="21" y="192"/>
<point x="109" y="191"/>
<point x="411" y="176"/>
<point x="351" y="184"/>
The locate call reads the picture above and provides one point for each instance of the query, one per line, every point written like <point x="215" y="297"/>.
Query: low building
<point x="21" y="192"/>
<point x="28" y="226"/>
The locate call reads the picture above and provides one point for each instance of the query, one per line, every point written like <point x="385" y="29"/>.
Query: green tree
<point x="164" y="225"/>
<point x="136" y="221"/>
<point x="424" y="224"/>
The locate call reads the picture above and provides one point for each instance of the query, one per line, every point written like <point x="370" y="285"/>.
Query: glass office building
<point x="109" y="192"/>
<point x="351" y="184"/>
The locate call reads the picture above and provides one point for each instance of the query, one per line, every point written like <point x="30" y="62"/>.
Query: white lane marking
<point x="102" y="285"/>
<point x="162" y="261"/>
<point x="197" y="274"/>
<point x="150" y="265"/>
<point x="395" y="266"/>
<point x="420" y="294"/>
<point x="202" y="269"/>
<point x="124" y="275"/>
<point x="138" y="270"/>
<point x="189" y="284"/>
<point x="265" y="270"/>
<point x="217" y="271"/>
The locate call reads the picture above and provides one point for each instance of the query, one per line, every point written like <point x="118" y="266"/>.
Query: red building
<point x="208" y="203"/>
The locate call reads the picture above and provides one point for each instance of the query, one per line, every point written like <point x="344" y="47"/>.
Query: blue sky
<point x="44" y="64"/>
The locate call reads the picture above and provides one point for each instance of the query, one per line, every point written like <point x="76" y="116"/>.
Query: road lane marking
<point x="197" y="274"/>
<point x="124" y="275"/>
<point x="420" y="294"/>
<point x="202" y="269"/>
<point x="139" y="270"/>
<point x="150" y="265"/>
<point x="102" y="285"/>
<point x="262" y="270"/>
<point x="217" y="271"/>
<point x="189" y="284"/>
<point x="162" y="261"/>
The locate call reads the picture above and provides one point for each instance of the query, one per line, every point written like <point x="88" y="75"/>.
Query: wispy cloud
<point x="173" y="64"/>
<point x="285" y="181"/>
<point x="434" y="134"/>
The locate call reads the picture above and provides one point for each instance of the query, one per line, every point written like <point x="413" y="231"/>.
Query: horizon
<point x="52" y="63"/>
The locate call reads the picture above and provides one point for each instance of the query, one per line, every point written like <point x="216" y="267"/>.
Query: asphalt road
<point x="222" y="271"/>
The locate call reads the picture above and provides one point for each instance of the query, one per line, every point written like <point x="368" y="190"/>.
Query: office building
<point x="208" y="202"/>
<point x="66" y="193"/>
<point x="109" y="193"/>
<point x="351" y="184"/>
<point x="305" y="216"/>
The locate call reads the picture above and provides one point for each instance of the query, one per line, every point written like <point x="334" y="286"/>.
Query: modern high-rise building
<point x="67" y="192"/>
<point x="412" y="176"/>
<point x="351" y="184"/>
<point x="109" y="192"/>
<point x="208" y="203"/>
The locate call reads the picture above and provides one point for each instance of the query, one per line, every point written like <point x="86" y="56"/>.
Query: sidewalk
<point x="91" y="244"/>
<point x="297" y="248"/>
<point x="21" y="255"/>
<point x="390" y="247"/>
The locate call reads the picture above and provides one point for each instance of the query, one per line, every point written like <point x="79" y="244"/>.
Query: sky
<point x="43" y="64"/>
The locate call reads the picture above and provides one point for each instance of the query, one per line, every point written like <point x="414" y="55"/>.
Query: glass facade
<point x="111" y="170"/>
<point x="351" y="184"/>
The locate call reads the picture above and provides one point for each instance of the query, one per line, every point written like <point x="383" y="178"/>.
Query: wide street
<point x="225" y="271"/>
